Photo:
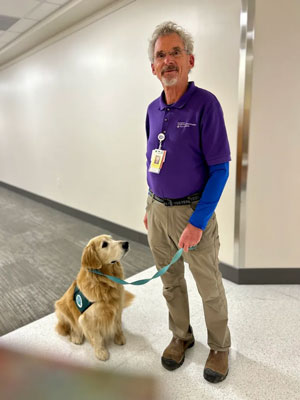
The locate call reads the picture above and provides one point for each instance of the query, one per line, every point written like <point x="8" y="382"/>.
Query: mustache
<point x="169" y="68"/>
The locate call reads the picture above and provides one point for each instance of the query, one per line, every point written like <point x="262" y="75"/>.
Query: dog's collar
<point x="82" y="303"/>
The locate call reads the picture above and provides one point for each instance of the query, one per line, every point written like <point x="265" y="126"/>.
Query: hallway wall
<point x="72" y="114"/>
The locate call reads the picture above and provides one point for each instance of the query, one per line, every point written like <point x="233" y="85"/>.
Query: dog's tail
<point x="128" y="298"/>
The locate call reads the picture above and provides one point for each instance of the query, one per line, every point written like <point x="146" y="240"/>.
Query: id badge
<point x="157" y="159"/>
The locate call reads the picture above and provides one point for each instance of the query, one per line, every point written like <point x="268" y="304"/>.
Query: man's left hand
<point x="190" y="237"/>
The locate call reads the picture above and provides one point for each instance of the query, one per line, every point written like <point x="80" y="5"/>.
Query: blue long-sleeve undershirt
<point x="218" y="175"/>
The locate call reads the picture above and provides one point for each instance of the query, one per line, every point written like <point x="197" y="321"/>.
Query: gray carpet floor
<point x="40" y="253"/>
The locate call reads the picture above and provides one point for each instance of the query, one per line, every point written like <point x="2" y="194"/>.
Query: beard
<point x="170" y="81"/>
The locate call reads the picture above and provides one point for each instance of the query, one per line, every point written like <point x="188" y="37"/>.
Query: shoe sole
<point x="212" y="376"/>
<point x="170" y="364"/>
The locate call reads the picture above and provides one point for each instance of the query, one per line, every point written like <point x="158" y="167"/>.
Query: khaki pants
<point x="165" y="226"/>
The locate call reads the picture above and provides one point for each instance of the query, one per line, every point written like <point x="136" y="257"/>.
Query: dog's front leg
<point x="93" y="335"/>
<point x="101" y="351"/>
<point x="119" y="335"/>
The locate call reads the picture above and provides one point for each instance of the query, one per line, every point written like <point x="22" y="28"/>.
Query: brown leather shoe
<point x="216" y="367"/>
<point x="173" y="356"/>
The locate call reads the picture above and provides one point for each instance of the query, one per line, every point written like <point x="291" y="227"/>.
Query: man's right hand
<point x="146" y="221"/>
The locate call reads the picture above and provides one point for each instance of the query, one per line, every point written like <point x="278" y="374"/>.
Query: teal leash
<point x="142" y="281"/>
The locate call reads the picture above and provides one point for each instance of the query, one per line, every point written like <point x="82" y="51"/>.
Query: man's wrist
<point x="195" y="227"/>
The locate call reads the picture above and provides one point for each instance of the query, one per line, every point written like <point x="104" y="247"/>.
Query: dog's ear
<point x="90" y="257"/>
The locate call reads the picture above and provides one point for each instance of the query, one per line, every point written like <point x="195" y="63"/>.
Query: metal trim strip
<point x="245" y="95"/>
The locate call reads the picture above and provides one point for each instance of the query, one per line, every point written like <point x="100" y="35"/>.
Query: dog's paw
<point x="120" y="339"/>
<point x="102" y="354"/>
<point x="76" y="339"/>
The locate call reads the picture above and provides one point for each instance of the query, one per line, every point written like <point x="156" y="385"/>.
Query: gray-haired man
<point x="187" y="167"/>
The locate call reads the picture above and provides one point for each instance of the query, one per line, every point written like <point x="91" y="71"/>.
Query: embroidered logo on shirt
<point x="185" y="124"/>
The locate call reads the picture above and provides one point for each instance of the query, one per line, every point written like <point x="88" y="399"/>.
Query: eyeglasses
<point x="176" y="53"/>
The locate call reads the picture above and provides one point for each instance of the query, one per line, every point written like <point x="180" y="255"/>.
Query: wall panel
<point x="273" y="193"/>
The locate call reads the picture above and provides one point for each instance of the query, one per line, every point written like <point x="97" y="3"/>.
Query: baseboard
<point x="261" y="276"/>
<point x="241" y="276"/>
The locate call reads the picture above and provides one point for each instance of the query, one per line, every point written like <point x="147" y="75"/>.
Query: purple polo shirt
<point x="196" y="138"/>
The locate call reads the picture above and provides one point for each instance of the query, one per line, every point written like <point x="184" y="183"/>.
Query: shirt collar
<point x="181" y="102"/>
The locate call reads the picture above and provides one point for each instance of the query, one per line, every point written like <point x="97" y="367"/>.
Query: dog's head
<point x="103" y="250"/>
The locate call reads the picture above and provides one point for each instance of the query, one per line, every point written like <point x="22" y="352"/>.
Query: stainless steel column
<point x="245" y="92"/>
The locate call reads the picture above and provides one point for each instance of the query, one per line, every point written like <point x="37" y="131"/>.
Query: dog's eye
<point x="104" y="244"/>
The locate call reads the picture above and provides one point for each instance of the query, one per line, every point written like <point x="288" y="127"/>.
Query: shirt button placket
<point x="165" y="122"/>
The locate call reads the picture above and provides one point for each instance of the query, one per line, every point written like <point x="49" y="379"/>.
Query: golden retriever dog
<point x="104" y="298"/>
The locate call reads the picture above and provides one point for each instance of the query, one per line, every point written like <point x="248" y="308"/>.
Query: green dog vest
<point x="81" y="301"/>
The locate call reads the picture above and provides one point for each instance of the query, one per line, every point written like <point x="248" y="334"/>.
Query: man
<point x="187" y="167"/>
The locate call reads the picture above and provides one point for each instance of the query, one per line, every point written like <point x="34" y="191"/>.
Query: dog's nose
<point x="125" y="245"/>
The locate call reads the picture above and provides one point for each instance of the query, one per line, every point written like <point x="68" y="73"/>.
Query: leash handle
<point x="142" y="281"/>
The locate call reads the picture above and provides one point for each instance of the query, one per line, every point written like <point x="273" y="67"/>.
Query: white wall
<point x="273" y="193"/>
<point x="72" y="115"/>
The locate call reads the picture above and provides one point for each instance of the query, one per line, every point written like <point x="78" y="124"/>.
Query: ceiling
<point x="25" y="24"/>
